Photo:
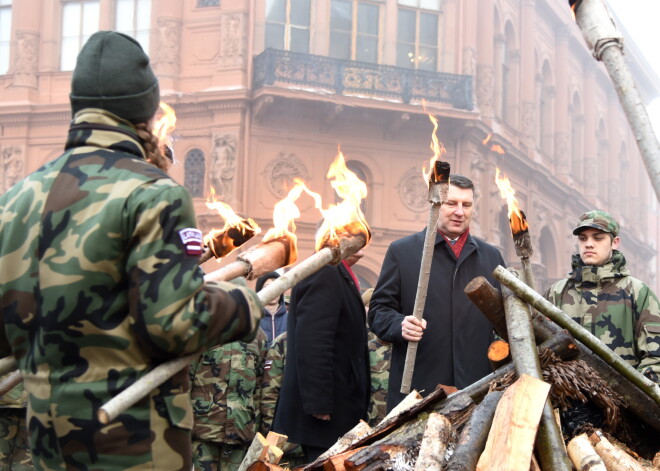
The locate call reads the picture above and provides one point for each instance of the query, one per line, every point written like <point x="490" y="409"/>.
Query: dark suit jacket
<point x="327" y="364"/>
<point x="454" y="346"/>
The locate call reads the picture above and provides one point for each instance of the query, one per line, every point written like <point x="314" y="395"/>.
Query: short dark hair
<point x="461" y="181"/>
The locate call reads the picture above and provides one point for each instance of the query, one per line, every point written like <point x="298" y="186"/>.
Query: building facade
<point x="266" y="91"/>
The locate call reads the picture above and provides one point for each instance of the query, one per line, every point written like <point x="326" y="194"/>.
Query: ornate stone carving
<point x="12" y="166"/>
<point x="562" y="153"/>
<point x="282" y="170"/>
<point x="529" y="123"/>
<point x="469" y="60"/>
<point x="223" y="165"/>
<point x="232" y="42"/>
<point x="413" y="191"/>
<point x="169" y="47"/>
<point x="485" y="87"/>
<point x="590" y="179"/>
<point x="26" y="59"/>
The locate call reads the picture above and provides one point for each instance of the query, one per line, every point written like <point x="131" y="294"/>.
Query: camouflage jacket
<point x="97" y="286"/>
<point x="379" y="360"/>
<point x="272" y="381"/>
<point x="226" y="391"/>
<point x="620" y="310"/>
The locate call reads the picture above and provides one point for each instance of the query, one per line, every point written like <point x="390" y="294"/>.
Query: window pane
<point x="300" y="12"/>
<point x="428" y="29"/>
<point x="143" y="18"/>
<point x="406" y="26"/>
<point x="275" y="36"/>
<point x="340" y="45"/>
<point x="276" y="11"/>
<point x="427" y="58"/>
<point x="71" y="20"/>
<point x="69" y="53"/>
<point x="430" y="4"/>
<point x="367" y="49"/>
<point x="90" y="23"/>
<point x="405" y="55"/>
<point x="299" y="40"/>
<point x="124" y="16"/>
<point x="5" y="24"/>
<point x="409" y="3"/>
<point x="5" y="3"/>
<point x="368" y="19"/>
<point x="341" y="17"/>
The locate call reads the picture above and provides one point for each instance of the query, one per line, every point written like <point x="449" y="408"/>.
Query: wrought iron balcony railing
<point x="344" y="77"/>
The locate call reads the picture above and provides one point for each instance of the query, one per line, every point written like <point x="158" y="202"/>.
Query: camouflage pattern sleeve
<point x="174" y="312"/>
<point x="272" y="381"/>
<point x="647" y="333"/>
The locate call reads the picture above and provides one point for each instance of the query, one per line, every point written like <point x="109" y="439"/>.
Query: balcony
<point x="343" y="77"/>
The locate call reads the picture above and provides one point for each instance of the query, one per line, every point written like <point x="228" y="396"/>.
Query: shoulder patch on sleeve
<point x="192" y="241"/>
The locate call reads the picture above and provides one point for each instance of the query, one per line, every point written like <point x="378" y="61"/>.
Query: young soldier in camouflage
<point x="99" y="278"/>
<point x="601" y="296"/>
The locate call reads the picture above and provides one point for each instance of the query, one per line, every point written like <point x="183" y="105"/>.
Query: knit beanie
<point x="113" y="73"/>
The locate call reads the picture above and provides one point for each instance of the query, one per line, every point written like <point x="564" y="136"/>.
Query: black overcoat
<point x="454" y="346"/>
<point x="327" y="362"/>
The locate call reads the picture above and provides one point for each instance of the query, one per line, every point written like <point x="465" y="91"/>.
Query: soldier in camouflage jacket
<point x="14" y="443"/>
<point x="99" y="279"/>
<point x="601" y="296"/>
<point x="226" y="391"/>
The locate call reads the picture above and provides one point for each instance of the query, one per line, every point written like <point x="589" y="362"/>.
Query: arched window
<point x="194" y="169"/>
<point x="362" y="172"/>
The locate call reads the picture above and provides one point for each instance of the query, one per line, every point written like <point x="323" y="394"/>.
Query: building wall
<point x="537" y="93"/>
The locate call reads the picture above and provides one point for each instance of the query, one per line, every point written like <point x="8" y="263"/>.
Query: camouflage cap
<point x="598" y="220"/>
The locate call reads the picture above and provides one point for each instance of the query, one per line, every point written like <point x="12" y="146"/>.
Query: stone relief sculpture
<point x="27" y="55"/>
<point x="169" y="41"/>
<point x="232" y="41"/>
<point x="413" y="191"/>
<point x="281" y="172"/>
<point x="12" y="166"/>
<point x="223" y="165"/>
<point x="484" y="89"/>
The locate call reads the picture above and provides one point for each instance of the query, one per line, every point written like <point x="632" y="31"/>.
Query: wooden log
<point x="7" y="364"/>
<point x="583" y="455"/>
<point x="534" y="466"/>
<point x="434" y="443"/>
<point x="614" y="458"/>
<point x="489" y="301"/>
<point x="347" y="440"/>
<point x="274" y="454"/>
<point x="376" y="456"/>
<point x="406" y="403"/>
<point x="511" y="439"/>
<point x="591" y="341"/>
<point x="526" y="361"/>
<point x="263" y="466"/>
<point x="336" y="462"/>
<point x="10" y="381"/>
<point x="276" y="439"/>
<point x="499" y="354"/>
<point x="258" y="451"/>
<point x="473" y="437"/>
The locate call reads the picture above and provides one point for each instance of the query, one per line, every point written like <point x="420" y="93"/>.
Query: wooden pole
<point x="434" y="443"/>
<point x="592" y="342"/>
<point x="142" y="387"/>
<point x="583" y="455"/>
<point x="489" y="301"/>
<point x="8" y="383"/>
<point x="437" y="194"/>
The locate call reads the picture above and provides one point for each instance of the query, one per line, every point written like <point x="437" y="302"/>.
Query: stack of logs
<point x="554" y="406"/>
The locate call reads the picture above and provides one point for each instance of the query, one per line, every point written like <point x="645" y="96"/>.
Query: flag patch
<point x="192" y="241"/>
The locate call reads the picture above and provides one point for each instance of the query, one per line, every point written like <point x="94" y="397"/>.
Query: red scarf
<point x="350" y="272"/>
<point x="460" y="242"/>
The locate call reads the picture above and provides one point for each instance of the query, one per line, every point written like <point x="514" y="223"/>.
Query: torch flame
<point x="516" y="216"/>
<point x="436" y="147"/>
<point x="345" y="217"/>
<point x="164" y="126"/>
<point x="494" y="147"/>
<point x="233" y="234"/>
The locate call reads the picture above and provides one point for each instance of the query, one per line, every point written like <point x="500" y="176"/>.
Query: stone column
<point x="562" y="149"/>
<point x="26" y="17"/>
<point x="590" y="171"/>
<point x="528" y="117"/>
<point x="166" y="58"/>
<point x="485" y="80"/>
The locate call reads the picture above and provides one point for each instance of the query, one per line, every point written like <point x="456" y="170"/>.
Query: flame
<point x="437" y="148"/>
<point x="487" y="140"/>
<point x="345" y="217"/>
<point x="164" y="126"/>
<point x="517" y="218"/>
<point x="494" y="147"/>
<point x="235" y="232"/>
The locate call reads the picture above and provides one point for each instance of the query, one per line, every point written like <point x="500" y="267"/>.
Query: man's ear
<point x="615" y="243"/>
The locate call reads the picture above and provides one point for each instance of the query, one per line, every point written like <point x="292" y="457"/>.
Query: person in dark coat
<point x="326" y="387"/>
<point x="453" y="335"/>
<point x="275" y="312"/>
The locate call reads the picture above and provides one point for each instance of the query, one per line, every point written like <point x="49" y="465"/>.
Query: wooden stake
<point x="489" y="301"/>
<point x="434" y="442"/>
<point x="614" y="458"/>
<point x="511" y="439"/>
<point x="583" y="455"/>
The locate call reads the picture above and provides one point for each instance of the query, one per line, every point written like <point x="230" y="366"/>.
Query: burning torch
<point x="519" y="227"/>
<point x="438" y="182"/>
<point x="606" y="45"/>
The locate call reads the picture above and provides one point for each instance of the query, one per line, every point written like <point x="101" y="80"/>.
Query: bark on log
<point x="499" y="354"/>
<point x="263" y="466"/>
<point x="510" y="442"/>
<point x="526" y="361"/>
<point x="594" y="343"/>
<point x="489" y="301"/>
<point x="336" y="462"/>
<point x="583" y="455"/>
<point x="276" y="439"/>
<point x="434" y="443"/>
<point x="10" y="381"/>
<point x="258" y="451"/>
<point x="614" y="458"/>
<point x="473" y="437"/>
<point x="347" y="440"/>
<point x="406" y="403"/>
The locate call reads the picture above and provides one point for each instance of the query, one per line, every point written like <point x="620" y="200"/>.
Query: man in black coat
<point x="453" y="335"/>
<point x="326" y="385"/>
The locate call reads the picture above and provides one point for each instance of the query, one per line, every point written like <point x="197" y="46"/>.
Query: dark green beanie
<point x="113" y="73"/>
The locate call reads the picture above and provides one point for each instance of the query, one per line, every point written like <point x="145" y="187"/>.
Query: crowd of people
<point x="100" y="283"/>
